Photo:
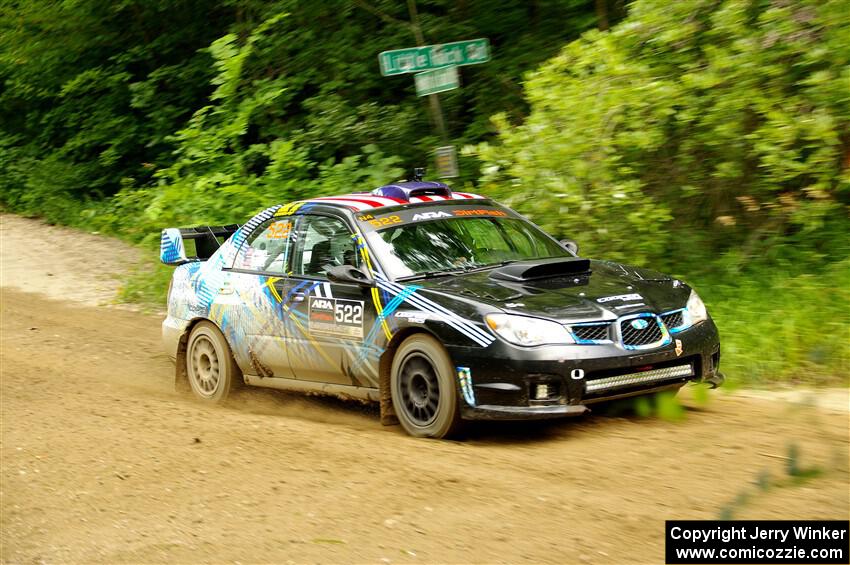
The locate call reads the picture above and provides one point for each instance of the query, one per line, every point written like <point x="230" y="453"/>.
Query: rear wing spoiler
<point x="202" y="242"/>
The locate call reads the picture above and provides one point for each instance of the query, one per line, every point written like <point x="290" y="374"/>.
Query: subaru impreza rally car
<point x="441" y="305"/>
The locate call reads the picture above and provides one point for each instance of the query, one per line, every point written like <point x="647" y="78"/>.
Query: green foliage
<point x="148" y="284"/>
<point x="192" y="112"/>
<point x="90" y="92"/>
<point x="780" y="328"/>
<point x="336" y="102"/>
<point x="97" y="97"/>
<point x="696" y="124"/>
<point x="215" y="178"/>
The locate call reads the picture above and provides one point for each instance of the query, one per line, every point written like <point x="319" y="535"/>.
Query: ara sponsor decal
<point x="430" y="216"/>
<point x="623" y="297"/>
<point x="336" y="316"/>
<point x="679" y="348"/>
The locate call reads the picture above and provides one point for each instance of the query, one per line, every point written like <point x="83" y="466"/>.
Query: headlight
<point x="526" y="331"/>
<point x="696" y="308"/>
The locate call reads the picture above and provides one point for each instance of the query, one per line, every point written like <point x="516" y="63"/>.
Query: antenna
<point x="418" y="174"/>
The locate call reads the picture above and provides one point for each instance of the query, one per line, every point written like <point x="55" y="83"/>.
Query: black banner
<point x="757" y="541"/>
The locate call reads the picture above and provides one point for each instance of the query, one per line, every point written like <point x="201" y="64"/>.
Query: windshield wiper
<point x="463" y="270"/>
<point x="474" y="268"/>
<point x="431" y="275"/>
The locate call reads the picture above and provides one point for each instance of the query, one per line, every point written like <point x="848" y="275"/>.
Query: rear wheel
<point x="423" y="388"/>
<point x="210" y="367"/>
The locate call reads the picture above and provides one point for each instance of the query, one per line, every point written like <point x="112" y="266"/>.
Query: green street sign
<point x="402" y="61"/>
<point x="469" y="52"/>
<point x="436" y="80"/>
<point x="415" y="59"/>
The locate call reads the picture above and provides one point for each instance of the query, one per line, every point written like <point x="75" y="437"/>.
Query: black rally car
<point x="441" y="305"/>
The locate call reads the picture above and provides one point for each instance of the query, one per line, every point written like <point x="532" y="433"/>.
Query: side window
<point x="321" y="241"/>
<point x="267" y="248"/>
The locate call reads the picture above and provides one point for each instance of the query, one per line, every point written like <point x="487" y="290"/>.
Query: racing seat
<point x="320" y="257"/>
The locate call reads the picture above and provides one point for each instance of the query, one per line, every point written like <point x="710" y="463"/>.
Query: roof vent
<point x="407" y="190"/>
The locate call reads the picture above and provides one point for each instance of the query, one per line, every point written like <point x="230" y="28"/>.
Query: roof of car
<point x="396" y="194"/>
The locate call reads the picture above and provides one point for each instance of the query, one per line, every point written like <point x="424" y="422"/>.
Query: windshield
<point x="457" y="244"/>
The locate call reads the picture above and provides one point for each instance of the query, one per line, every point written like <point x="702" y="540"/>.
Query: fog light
<point x="541" y="392"/>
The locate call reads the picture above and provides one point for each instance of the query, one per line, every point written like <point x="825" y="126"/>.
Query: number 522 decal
<point x="336" y="316"/>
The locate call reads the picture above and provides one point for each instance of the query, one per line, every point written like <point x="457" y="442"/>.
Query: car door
<point x="332" y="321"/>
<point x="258" y="318"/>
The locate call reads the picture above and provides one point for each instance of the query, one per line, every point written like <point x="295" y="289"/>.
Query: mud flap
<point x="181" y="377"/>
<point x="388" y="417"/>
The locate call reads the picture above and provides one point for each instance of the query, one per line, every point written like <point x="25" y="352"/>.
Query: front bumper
<point x="503" y="381"/>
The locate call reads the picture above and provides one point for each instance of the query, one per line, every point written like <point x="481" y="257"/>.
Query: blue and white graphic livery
<point x="440" y="305"/>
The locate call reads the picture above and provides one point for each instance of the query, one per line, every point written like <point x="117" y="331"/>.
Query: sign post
<point x="436" y="71"/>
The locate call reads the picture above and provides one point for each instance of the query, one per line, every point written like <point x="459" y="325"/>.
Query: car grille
<point x="591" y="332"/>
<point x="635" y="337"/>
<point x="655" y="334"/>
<point x="673" y="320"/>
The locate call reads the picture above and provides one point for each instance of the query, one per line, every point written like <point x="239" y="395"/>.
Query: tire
<point x="210" y="368"/>
<point x="423" y="388"/>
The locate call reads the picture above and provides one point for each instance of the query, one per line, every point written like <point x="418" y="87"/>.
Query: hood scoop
<point x="542" y="269"/>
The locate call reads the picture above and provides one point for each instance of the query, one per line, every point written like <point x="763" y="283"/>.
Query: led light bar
<point x="629" y="379"/>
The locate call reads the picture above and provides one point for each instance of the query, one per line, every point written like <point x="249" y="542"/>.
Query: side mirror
<point x="570" y="245"/>
<point x="348" y="274"/>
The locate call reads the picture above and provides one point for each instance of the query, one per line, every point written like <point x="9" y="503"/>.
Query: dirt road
<point x="103" y="462"/>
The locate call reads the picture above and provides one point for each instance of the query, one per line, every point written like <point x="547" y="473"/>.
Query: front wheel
<point x="210" y="367"/>
<point x="423" y="388"/>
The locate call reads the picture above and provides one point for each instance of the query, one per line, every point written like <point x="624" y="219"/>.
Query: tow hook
<point x="715" y="380"/>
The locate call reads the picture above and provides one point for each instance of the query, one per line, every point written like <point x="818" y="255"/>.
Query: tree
<point x="724" y="123"/>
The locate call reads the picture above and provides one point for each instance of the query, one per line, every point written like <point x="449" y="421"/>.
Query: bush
<point x="776" y="328"/>
<point x="698" y="124"/>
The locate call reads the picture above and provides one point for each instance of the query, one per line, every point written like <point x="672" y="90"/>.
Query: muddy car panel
<point x="285" y="326"/>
